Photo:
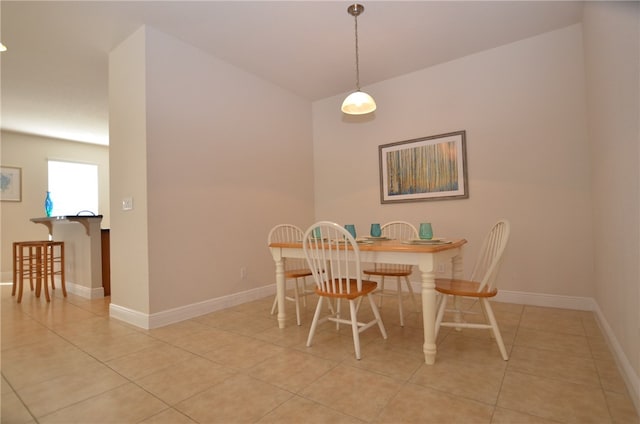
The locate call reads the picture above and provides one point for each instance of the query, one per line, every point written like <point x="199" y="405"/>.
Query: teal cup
<point x="351" y="229"/>
<point x="426" y="231"/>
<point x="376" y="231"/>
<point x="317" y="233"/>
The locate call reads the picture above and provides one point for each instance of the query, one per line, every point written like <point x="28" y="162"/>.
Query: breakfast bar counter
<point x="82" y="237"/>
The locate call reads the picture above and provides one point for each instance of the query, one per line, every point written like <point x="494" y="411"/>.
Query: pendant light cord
<point x="357" y="56"/>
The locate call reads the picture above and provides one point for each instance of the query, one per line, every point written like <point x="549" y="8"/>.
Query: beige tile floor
<point x="67" y="362"/>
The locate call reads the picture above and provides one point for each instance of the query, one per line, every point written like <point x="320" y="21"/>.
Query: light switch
<point x="127" y="203"/>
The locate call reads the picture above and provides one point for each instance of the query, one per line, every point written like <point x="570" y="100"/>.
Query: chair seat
<point x="367" y="287"/>
<point x="388" y="272"/>
<point x="297" y="273"/>
<point x="462" y="288"/>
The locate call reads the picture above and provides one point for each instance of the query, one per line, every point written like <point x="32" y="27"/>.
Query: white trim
<point x="547" y="300"/>
<point x="534" y="299"/>
<point x="170" y="316"/>
<point x="77" y="289"/>
<point x="83" y="291"/>
<point x="129" y="316"/>
<point x="631" y="379"/>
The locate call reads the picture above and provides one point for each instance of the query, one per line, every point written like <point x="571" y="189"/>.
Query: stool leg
<point x="44" y="270"/>
<point x="55" y="264"/>
<point x="34" y="268"/>
<point x="15" y="269"/>
<point x="20" y="274"/>
<point x="62" y="282"/>
<point x="51" y="263"/>
<point x="40" y="269"/>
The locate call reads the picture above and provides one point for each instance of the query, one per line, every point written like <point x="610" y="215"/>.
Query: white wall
<point x="31" y="152"/>
<point x="127" y="139"/>
<point x="612" y="53"/>
<point x="228" y="156"/>
<point x="523" y="108"/>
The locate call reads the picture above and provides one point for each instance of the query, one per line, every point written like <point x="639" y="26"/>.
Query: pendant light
<point x="358" y="102"/>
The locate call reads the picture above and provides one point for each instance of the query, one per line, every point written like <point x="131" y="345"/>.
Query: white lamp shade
<point x="358" y="103"/>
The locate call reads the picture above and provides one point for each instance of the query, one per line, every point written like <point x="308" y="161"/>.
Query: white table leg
<point x="457" y="272"/>
<point x="426" y="268"/>
<point x="280" y="287"/>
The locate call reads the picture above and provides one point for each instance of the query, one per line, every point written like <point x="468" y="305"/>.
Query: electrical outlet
<point x="127" y="203"/>
<point x="441" y="268"/>
<point x="243" y="273"/>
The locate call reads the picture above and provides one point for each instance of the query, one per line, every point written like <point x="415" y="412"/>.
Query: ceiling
<point x="54" y="75"/>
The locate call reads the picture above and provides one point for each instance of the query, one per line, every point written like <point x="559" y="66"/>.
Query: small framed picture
<point x="10" y="184"/>
<point x="427" y="168"/>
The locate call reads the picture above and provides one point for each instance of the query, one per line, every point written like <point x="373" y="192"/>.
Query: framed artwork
<point x="427" y="168"/>
<point x="10" y="184"/>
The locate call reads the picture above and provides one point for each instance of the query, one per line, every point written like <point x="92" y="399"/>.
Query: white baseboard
<point x="547" y="300"/>
<point x="631" y="379"/>
<point x="170" y="316"/>
<point x="84" y="291"/>
<point x="77" y="289"/>
<point x="534" y="299"/>
<point x="130" y="316"/>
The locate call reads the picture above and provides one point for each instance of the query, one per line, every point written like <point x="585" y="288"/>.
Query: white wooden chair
<point x="481" y="286"/>
<point x="399" y="230"/>
<point x="328" y="247"/>
<point x="294" y="269"/>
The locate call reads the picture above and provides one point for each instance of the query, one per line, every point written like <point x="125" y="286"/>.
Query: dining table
<point x="426" y="256"/>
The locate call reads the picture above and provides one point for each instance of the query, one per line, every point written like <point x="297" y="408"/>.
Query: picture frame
<point x="10" y="184"/>
<point x="424" y="169"/>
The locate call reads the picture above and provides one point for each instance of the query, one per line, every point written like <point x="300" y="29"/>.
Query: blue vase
<point x="48" y="204"/>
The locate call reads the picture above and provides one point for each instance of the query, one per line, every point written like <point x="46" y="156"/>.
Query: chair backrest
<point x="332" y="256"/>
<point x="486" y="268"/>
<point x="288" y="233"/>
<point x="399" y="230"/>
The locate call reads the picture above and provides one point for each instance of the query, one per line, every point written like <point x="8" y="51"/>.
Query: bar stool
<point x="30" y="261"/>
<point x="39" y="261"/>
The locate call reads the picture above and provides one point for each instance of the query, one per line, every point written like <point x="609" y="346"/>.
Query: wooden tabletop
<point x="389" y="246"/>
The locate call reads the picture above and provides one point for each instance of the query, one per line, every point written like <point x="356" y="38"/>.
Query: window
<point x="73" y="187"/>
